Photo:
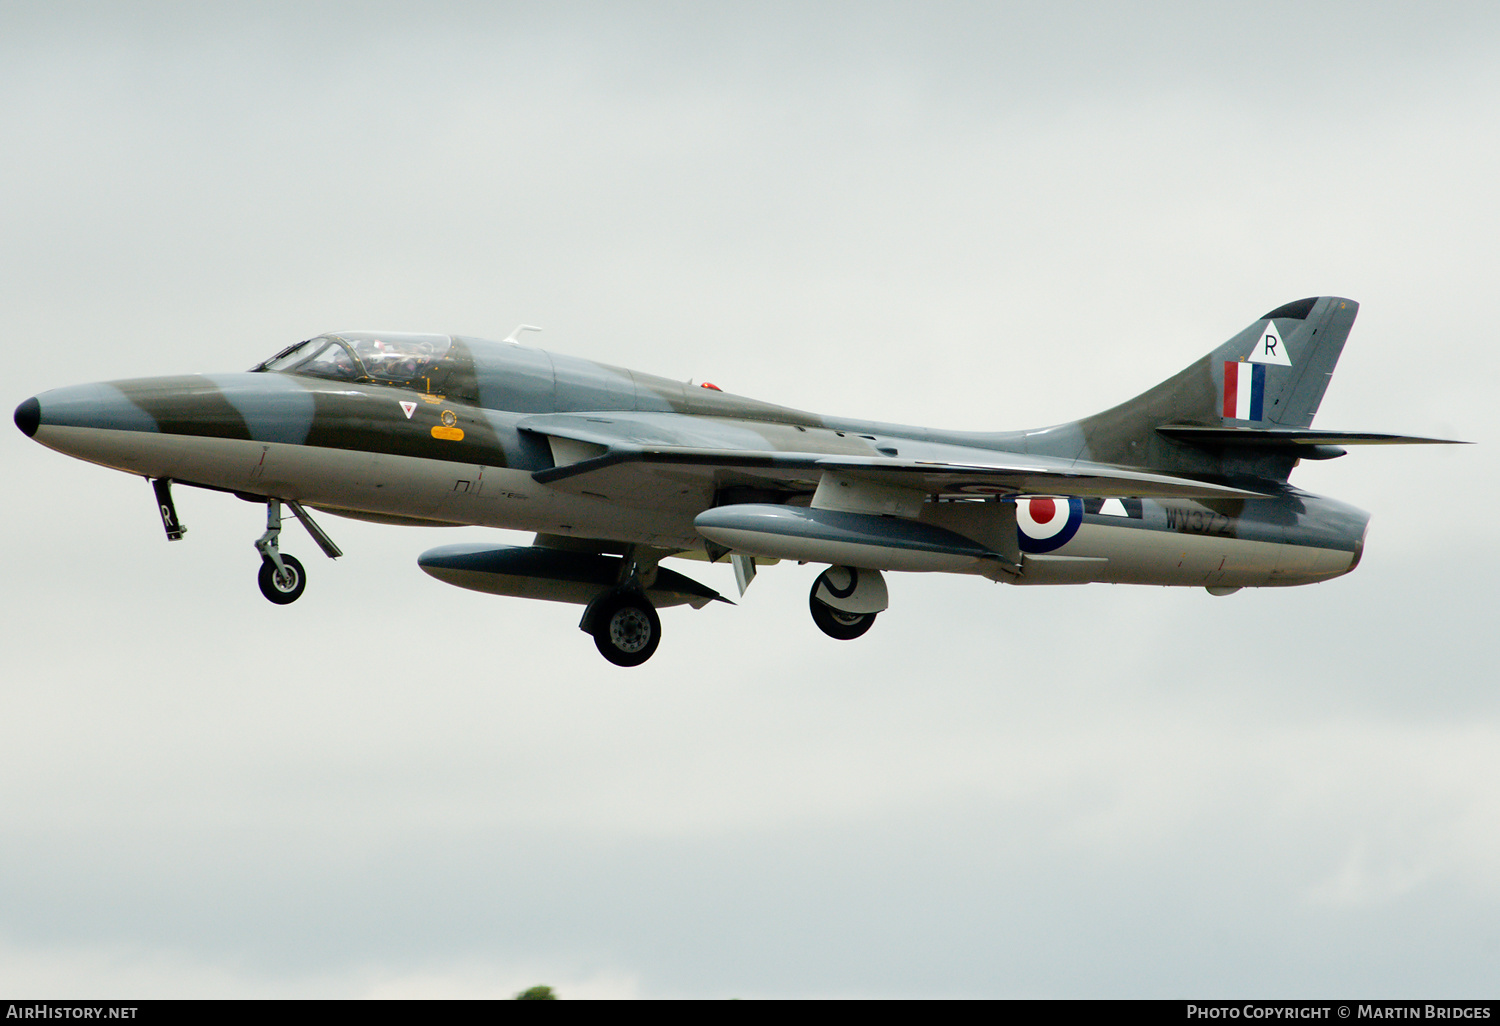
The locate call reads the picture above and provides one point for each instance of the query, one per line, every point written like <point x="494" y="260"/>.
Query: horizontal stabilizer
<point x="1281" y="437"/>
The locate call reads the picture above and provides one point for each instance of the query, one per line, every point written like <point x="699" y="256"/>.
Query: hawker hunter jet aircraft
<point x="616" y="470"/>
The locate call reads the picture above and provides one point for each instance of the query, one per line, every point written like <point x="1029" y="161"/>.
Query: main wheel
<point x="627" y="630"/>
<point x="838" y="624"/>
<point x="282" y="588"/>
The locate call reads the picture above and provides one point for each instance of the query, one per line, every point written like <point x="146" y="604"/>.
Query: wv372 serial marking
<point x="615" y="470"/>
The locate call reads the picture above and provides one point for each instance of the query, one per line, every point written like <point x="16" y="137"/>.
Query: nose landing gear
<point x="282" y="578"/>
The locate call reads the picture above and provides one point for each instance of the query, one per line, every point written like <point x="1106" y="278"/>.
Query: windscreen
<point x="407" y="361"/>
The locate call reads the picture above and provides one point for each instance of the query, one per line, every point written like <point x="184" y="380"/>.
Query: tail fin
<point x="1272" y="375"/>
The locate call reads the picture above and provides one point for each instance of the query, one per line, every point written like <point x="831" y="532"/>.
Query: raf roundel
<point x="1046" y="522"/>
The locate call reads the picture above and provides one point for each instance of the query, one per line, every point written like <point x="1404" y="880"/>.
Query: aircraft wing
<point x="599" y="448"/>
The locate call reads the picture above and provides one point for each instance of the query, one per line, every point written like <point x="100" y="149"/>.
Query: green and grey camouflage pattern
<point x="615" y="470"/>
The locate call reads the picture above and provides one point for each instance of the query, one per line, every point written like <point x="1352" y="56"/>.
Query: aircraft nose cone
<point x="29" y="416"/>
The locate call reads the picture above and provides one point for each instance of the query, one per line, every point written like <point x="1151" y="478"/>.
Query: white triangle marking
<point x="408" y="408"/>
<point x="1269" y="348"/>
<point x="1113" y="508"/>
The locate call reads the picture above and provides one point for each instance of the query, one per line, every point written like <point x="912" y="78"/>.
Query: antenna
<point x="512" y="337"/>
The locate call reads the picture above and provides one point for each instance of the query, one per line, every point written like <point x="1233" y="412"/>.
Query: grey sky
<point x="972" y="215"/>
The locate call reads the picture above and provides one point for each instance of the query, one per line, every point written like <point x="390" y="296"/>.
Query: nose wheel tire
<point x="627" y="630"/>
<point x="838" y="624"/>
<point x="282" y="588"/>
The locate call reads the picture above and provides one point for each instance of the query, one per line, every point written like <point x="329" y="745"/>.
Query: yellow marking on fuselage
<point x="451" y="434"/>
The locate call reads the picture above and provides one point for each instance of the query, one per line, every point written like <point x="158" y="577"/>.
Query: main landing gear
<point x="845" y="600"/>
<point x="623" y="621"/>
<point x="281" y="577"/>
<point x="625" y="627"/>
<point x="837" y="624"/>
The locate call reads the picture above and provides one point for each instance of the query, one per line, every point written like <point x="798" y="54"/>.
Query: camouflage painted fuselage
<point x="506" y="436"/>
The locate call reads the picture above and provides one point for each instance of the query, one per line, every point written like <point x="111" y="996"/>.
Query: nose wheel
<point x="282" y="584"/>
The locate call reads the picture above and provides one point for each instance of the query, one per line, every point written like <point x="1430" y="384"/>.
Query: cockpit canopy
<point x="406" y="361"/>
